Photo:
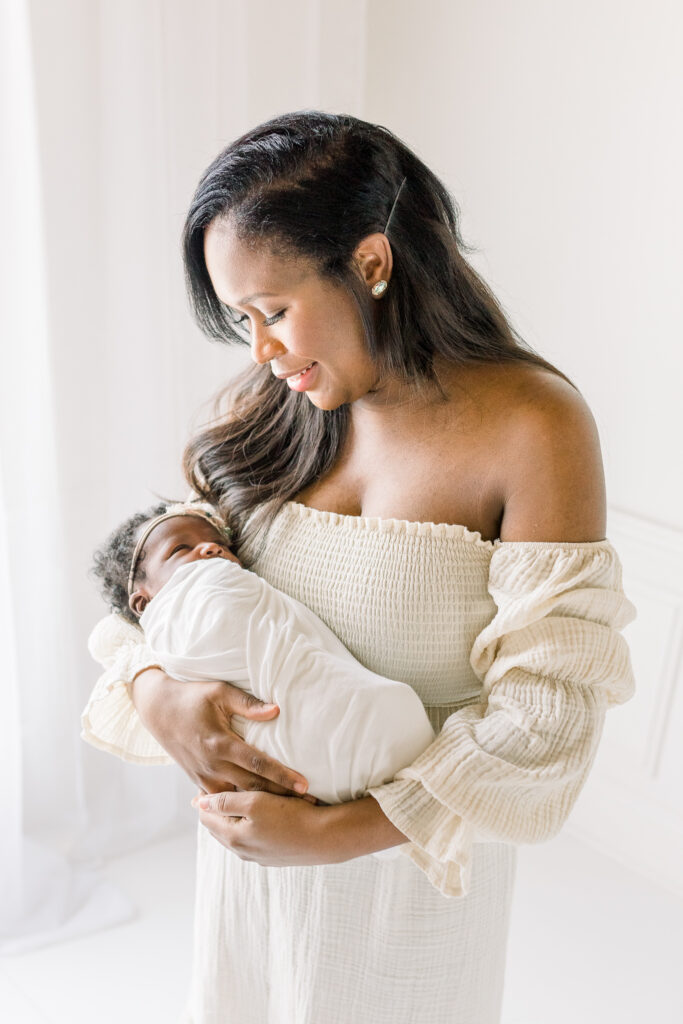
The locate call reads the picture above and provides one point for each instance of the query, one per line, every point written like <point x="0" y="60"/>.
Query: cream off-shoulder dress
<point x="515" y="650"/>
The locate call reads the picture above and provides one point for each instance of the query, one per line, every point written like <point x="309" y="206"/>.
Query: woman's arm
<point x="280" y="832"/>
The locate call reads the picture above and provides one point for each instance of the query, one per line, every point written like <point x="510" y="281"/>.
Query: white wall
<point x="558" y="129"/>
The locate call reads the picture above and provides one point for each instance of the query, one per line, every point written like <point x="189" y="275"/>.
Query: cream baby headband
<point x="172" y="512"/>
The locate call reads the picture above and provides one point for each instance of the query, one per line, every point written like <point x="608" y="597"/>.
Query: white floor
<point x="137" y="972"/>
<point x="590" y="943"/>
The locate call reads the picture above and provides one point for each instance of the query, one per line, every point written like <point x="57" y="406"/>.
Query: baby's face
<point x="174" y="542"/>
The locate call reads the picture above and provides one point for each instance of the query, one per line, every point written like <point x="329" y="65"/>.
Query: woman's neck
<point x="394" y="404"/>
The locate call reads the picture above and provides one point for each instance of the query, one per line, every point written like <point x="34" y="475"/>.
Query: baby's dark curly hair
<point x="112" y="561"/>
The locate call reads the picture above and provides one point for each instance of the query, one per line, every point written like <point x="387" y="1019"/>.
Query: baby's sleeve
<point x="110" y="720"/>
<point x="510" y="767"/>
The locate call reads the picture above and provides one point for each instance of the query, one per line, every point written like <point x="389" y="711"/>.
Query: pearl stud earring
<point x="379" y="289"/>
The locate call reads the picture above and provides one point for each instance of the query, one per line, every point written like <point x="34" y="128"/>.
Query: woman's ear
<point x="137" y="602"/>
<point x="374" y="258"/>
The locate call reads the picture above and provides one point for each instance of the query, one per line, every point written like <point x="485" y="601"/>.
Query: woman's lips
<point x="303" y="379"/>
<point x="291" y="373"/>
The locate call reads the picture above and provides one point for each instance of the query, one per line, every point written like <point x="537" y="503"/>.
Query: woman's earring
<point x="379" y="289"/>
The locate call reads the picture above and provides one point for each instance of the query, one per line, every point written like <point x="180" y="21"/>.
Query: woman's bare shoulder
<point x="518" y="395"/>
<point x="543" y="408"/>
<point x="549" y="458"/>
<point x="517" y="385"/>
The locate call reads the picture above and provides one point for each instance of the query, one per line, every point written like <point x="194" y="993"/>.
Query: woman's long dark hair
<point x="312" y="185"/>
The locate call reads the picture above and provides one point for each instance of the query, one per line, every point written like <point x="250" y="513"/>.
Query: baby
<point x="205" y="617"/>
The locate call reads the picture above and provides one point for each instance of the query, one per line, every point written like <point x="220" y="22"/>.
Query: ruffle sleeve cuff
<point x="110" y="720"/>
<point x="510" y="767"/>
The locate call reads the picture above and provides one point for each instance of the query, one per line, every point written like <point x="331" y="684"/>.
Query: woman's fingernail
<point x="300" y="787"/>
<point x="204" y="803"/>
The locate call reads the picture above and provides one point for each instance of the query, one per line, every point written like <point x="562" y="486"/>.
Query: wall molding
<point x="631" y="808"/>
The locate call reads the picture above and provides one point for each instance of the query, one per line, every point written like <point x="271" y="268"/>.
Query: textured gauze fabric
<point x="515" y="651"/>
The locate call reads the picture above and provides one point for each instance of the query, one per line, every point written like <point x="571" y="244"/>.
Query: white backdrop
<point x="552" y="127"/>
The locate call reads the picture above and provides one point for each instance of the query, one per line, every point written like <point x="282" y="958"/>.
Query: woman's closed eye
<point x="268" y="322"/>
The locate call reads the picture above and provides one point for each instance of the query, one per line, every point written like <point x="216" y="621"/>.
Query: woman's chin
<point x="325" y="402"/>
<point x="334" y="398"/>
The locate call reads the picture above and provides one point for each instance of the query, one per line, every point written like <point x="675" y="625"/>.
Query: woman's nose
<point x="264" y="347"/>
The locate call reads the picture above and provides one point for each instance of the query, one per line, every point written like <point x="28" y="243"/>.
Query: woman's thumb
<point x="255" y="708"/>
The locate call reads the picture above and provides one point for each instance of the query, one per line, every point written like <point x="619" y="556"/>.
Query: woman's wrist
<point x="360" y="827"/>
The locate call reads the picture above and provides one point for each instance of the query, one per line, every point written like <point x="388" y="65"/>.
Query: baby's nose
<point x="209" y="549"/>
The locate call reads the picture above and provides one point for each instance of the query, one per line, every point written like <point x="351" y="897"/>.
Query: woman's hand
<point x="280" y="832"/>
<point x="192" y="723"/>
<point x="273" y="830"/>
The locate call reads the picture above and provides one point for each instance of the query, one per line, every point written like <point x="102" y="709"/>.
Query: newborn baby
<point x="206" y="617"/>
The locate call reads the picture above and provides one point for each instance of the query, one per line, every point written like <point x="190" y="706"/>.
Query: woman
<point x="402" y="464"/>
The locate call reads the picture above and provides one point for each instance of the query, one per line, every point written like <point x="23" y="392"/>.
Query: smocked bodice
<point x="407" y="599"/>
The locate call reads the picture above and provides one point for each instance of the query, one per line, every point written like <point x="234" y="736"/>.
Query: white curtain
<point x="43" y="896"/>
<point x="110" y="110"/>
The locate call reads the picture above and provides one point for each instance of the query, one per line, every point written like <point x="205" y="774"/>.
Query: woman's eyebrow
<point x="257" y="295"/>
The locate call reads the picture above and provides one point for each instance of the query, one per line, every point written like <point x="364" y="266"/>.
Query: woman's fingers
<point x="232" y="805"/>
<point x="224" y="773"/>
<point x="246" y="780"/>
<point x="193" y="722"/>
<point x="252" y="770"/>
<point x="259" y="766"/>
<point x="249" y="705"/>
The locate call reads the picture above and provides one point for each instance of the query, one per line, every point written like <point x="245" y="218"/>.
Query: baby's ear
<point x="137" y="602"/>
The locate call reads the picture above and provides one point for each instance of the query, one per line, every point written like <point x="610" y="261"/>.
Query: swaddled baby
<point x="206" y="617"/>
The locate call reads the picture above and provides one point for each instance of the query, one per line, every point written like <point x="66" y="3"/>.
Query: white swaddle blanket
<point x="342" y="726"/>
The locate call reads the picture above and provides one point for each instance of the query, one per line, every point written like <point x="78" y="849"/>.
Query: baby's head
<point x="142" y="554"/>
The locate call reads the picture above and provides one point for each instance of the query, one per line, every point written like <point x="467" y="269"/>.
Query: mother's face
<point x="307" y="328"/>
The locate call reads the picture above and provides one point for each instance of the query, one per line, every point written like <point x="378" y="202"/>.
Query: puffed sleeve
<point x="510" y="767"/>
<point x="110" y="720"/>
